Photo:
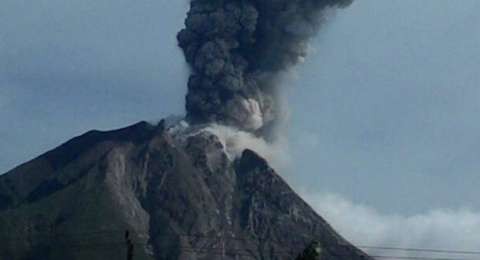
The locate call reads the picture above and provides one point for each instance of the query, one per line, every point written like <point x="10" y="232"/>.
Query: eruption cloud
<point x="236" y="50"/>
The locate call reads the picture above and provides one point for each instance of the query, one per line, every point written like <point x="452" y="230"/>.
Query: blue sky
<point x="383" y="112"/>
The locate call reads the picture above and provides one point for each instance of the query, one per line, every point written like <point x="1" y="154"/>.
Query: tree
<point x="312" y="252"/>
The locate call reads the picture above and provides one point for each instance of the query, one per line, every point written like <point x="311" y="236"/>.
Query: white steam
<point x="236" y="141"/>
<point x="442" y="229"/>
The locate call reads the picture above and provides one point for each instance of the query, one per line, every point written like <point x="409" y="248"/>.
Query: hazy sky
<point x="388" y="106"/>
<point x="383" y="113"/>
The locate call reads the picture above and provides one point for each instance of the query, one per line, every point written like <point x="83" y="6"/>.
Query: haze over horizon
<point x="392" y="86"/>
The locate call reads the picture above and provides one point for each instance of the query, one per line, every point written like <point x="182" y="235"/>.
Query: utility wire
<point x="414" y="257"/>
<point x="422" y="250"/>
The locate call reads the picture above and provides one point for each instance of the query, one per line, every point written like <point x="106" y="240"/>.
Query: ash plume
<point x="237" y="49"/>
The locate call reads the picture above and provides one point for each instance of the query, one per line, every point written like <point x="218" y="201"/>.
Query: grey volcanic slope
<point x="187" y="201"/>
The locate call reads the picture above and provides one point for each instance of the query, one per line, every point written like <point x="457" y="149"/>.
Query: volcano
<point x="161" y="195"/>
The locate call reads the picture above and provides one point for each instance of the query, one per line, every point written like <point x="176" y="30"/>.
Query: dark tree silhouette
<point x="312" y="252"/>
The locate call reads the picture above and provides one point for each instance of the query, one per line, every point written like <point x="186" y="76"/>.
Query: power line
<point x="422" y="250"/>
<point x="413" y="257"/>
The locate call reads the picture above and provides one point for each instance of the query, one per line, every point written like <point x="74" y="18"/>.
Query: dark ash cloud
<point x="237" y="48"/>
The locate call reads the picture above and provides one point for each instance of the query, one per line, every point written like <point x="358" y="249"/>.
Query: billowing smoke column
<point x="236" y="50"/>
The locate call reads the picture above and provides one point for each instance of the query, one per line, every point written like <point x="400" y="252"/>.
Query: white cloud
<point x="443" y="229"/>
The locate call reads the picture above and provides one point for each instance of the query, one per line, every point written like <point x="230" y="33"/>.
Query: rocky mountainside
<point x="179" y="200"/>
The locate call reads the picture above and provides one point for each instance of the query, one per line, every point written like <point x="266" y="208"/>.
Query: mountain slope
<point x="179" y="200"/>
